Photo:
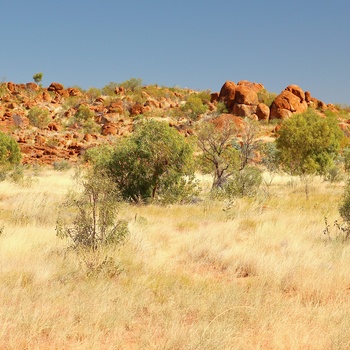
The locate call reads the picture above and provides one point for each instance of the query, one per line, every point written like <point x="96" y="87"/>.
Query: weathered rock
<point x="214" y="97"/>
<point x="74" y="92"/>
<point x="63" y="93"/>
<point x="227" y="94"/>
<point x="254" y="86"/>
<point x="314" y="102"/>
<point x="221" y="121"/>
<point x="263" y="111"/>
<point x="109" y="129"/>
<point x="46" y="96"/>
<point x="297" y="91"/>
<point x="246" y="95"/>
<point x="287" y="103"/>
<point x="32" y="86"/>
<point x="244" y="110"/>
<point x="119" y="90"/>
<point x="136" y="109"/>
<point x="11" y="86"/>
<point x="307" y="96"/>
<point x="55" y="87"/>
<point x="116" y="107"/>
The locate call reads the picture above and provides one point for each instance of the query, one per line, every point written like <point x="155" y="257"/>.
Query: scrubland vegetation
<point x="232" y="233"/>
<point x="256" y="273"/>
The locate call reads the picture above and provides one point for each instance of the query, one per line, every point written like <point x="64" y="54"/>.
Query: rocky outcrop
<point x="290" y="100"/>
<point x="55" y="87"/>
<point x="240" y="99"/>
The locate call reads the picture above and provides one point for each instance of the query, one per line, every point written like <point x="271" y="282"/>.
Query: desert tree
<point x="154" y="163"/>
<point x="38" y="77"/>
<point x="218" y="156"/>
<point x="308" y="144"/>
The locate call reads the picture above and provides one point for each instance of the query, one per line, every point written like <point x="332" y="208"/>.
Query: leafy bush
<point x="96" y="210"/>
<point x="10" y="153"/>
<point x="151" y="162"/>
<point x="244" y="183"/>
<point x="39" y="117"/>
<point x="61" y="165"/>
<point x="308" y="144"/>
<point x="85" y="118"/>
<point x="194" y="106"/>
<point x="218" y="156"/>
<point x="266" y="97"/>
<point x="38" y="77"/>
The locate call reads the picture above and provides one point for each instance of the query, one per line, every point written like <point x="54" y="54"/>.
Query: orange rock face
<point x="291" y="100"/>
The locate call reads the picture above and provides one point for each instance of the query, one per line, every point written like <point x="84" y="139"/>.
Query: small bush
<point x="194" y="106"/>
<point x="61" y="165"/>
<point x="244" y="183"/>
<point x="85" y="118"/>
<point x="95" y="224"/>
<point x="39" y="117"/>
<point x="10" y="153"/>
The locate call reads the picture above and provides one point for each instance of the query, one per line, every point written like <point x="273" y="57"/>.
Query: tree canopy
<point x="10" y="153"/>
<point x="151" y="162"/>
<point x="308" y="143"/>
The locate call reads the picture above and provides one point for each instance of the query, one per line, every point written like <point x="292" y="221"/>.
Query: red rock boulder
<point x="55" y="87"/>
<point x="263" y="111"/>
<point x="291" y="100"/>
<point x="227" y="94"/>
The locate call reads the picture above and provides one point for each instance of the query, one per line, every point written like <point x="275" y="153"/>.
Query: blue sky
<point x="193" y="43"/>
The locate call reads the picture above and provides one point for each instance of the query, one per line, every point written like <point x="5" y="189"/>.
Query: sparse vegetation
<point x="151" y="162"/>
<point x="38" y="77"/>
<point x="214" y="260"/>
<point x="39" y="117"/>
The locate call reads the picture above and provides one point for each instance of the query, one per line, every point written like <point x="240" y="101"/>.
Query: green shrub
<point x="194" y="106"/>
<point x="151" y="162"/>
<point x="85" y="118"/>
<point x="61" y="165"/>
<point x="244" y="183"/>
<point x="39" y="117"/>
<point x="95" y="224"/>
<point x="308" y="144"/>
<point x="10" y="154"/>
<point x="266" y="97"/>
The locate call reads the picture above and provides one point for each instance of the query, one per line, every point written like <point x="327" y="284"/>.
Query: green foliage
<point x="308" y="144"/>
<point x="344" y="211"/>
<point x="39" y="117"/>
<point x="10" y="153"/>
<point x="218" y="157"/>
<point x="38" y="77"/>
<point x="221" y="108"/>
<point x="95" y="223"/>
<point x="248" y="145"/>
<point x="270" y="156"/>
<point x="61" y="165"/>
<point x="244" y="183"/>
<point x="3" y="89"/>
<point x="109" y="89"/>
<point x="334" y="174"/>
<point x="194" y="106"/>
<point x="151" y="162"/>
<point x="132" y="84"/>
<point x="266" y="97"/>
<point x="85" y="118"/>
<point x="93" y="93"/>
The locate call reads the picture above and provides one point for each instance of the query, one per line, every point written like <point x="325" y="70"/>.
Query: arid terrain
<point x="258" y="274"/>
<point x="269" y="271"/>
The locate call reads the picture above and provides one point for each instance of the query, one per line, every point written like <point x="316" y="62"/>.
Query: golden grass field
<point x="260" y="275"/>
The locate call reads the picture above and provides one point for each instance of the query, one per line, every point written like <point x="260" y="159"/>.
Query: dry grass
<point x="258" y="276"/>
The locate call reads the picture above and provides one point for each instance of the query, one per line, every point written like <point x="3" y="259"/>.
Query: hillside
<point x="57" y="123"/>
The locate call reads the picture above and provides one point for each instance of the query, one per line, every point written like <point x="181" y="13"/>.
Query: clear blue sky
<point x="194" y="43"/>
